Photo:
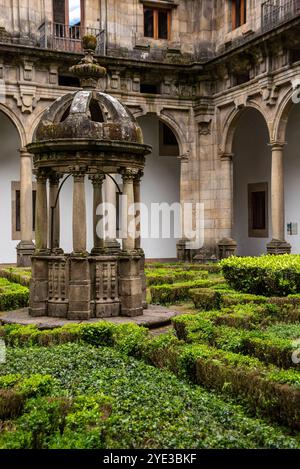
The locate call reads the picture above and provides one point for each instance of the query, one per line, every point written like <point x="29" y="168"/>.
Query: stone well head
<point x="87" y="134"/>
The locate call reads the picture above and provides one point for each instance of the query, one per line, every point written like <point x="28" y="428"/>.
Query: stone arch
<point x="231" y="124"/>
<point x="176" y="129"/>
<point x="16" y="122"/>
<point x="282" y="117"/>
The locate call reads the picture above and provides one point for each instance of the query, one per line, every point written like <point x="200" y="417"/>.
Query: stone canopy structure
<point x="87" y="133"/>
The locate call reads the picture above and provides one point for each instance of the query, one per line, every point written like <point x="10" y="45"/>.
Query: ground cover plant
<point x="81" y="396"/>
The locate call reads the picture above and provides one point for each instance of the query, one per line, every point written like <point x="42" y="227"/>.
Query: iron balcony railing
<point x="275" y="12"/>
<point x="62" y="37"/>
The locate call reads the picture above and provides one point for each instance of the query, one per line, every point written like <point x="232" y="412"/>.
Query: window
<point x="168" y="145"/>
<point x="258" y="210"/>
<point x="157" y="23"/>
<point x="239" y="13"/>
<point x="149" y="88"/>
<point x="16" y="209"/>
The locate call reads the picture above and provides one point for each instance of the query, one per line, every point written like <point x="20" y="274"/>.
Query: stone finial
<point x="88" y="71"/>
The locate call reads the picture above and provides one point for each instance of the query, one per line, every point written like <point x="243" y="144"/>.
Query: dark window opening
<point x="18" y="210"/>
<point x="95" y="110"/>
<point x="163" y="24"/>
<point x="148" y="22"/>
<point x="239" y="13"/>
<point x="258" y="210"/>
<point x="258" y="201"/>
<point x="294" y="55"/>
<point x="149" y="88"/>
<point x="168" y="144"/>
<point x="65" y="80"/>
<point x="157" y="23"/>
<point x="242" y="78"/>
<point x="168" y="136"/>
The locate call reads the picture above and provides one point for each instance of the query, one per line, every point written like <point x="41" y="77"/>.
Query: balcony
<point x="62" y="37"/>
<point x="277" y="12"/>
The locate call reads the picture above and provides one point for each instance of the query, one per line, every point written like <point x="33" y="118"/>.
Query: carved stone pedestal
<point x="25" y="250"/>
<point x="278" y="247"/>
<point x="130" y="285"/>
<point x="227" y="247"/>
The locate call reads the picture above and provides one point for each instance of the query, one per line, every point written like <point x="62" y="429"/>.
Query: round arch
<point x="231" y="125"/>
<point x="282" y="117"/>
<point x="16" y="122"/>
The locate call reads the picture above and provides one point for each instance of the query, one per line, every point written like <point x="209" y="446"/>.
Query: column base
<point x="112" y="246"/>
<point x="227" y="247"/>
<point x="278" y="247"/>
<point x="25" y="250"/>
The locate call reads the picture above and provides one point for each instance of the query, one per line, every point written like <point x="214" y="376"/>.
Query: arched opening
<point x="291" y="179"/>
<point x="9" y="189"/>
<point x="160" y="185"/>
<point x="251" y="184"/>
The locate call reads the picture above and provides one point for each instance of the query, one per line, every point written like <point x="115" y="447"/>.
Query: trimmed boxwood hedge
<point x="266" y="275"/>
<point x="12" y="295"/>
<point x="17" y="275"/>
<point x="167" y="276"/>
<point x="168" y="294"/>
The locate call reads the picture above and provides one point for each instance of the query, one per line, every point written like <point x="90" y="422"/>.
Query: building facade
<point x="214" y="85"/>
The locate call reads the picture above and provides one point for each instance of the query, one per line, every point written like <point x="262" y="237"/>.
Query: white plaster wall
<point x="9" y="171"/>
<point x="292" y="177"/>
<point x="161" y="183"/>
<point x="251" y="164"/>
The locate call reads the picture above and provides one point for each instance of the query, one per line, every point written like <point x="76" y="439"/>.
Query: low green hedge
<point x="167" y="294"/>
<point x="211" y="268"/>
<point x="167" y="276"/>
<point x="127" y="338"/>
<point x="264" y="389"/>
<point x="266" y="275"/>
<point x="17" y="275"/>
<point x="12" y="295"/>
<point x="213" y="298"/>
<point x="265" y="345"/>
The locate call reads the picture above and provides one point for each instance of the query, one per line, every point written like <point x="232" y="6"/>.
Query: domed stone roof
<point x="88" y="125"/>
<point x="88" y="114"/>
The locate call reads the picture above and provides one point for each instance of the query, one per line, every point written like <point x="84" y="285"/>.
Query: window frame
<point x="238" y="18"/>
<point x="156" y="10"/>
<point x="255" y="232"/>
<point x="15" y="188"/>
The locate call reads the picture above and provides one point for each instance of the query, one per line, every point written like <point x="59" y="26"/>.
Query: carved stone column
<point x="128" y="176"/>
<point x="227" y="245"/>
<point x="25" y="248"/>
<point x="54" y="232"/>
<point x="79" y="213"/>
<point x="41" y="230"/>
<point x="97" y="181"/>
<point x="278" y="245"/>
<point x="111" y="242"/>
<point x="137" y="214"/>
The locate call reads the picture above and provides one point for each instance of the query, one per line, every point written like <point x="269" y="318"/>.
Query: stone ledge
<point x="154" y="316"/>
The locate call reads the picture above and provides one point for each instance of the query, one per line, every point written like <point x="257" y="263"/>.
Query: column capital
<point x="78" y="172"/>
<point x="138" y="177"/>
<point x="97" y="179"/>
<point x="24" y="153"/>
<point x="54" y="178"/>
<point x="277" y="145"/>
<point x="41" y="174"/>
<point x="225" y="156"/>
<point x="129" y="174"/>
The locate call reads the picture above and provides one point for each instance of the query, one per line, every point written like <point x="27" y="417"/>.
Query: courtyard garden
<point x="224" y="374"/>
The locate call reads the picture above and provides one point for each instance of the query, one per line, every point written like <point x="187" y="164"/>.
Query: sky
<point x="74" y="11"/>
